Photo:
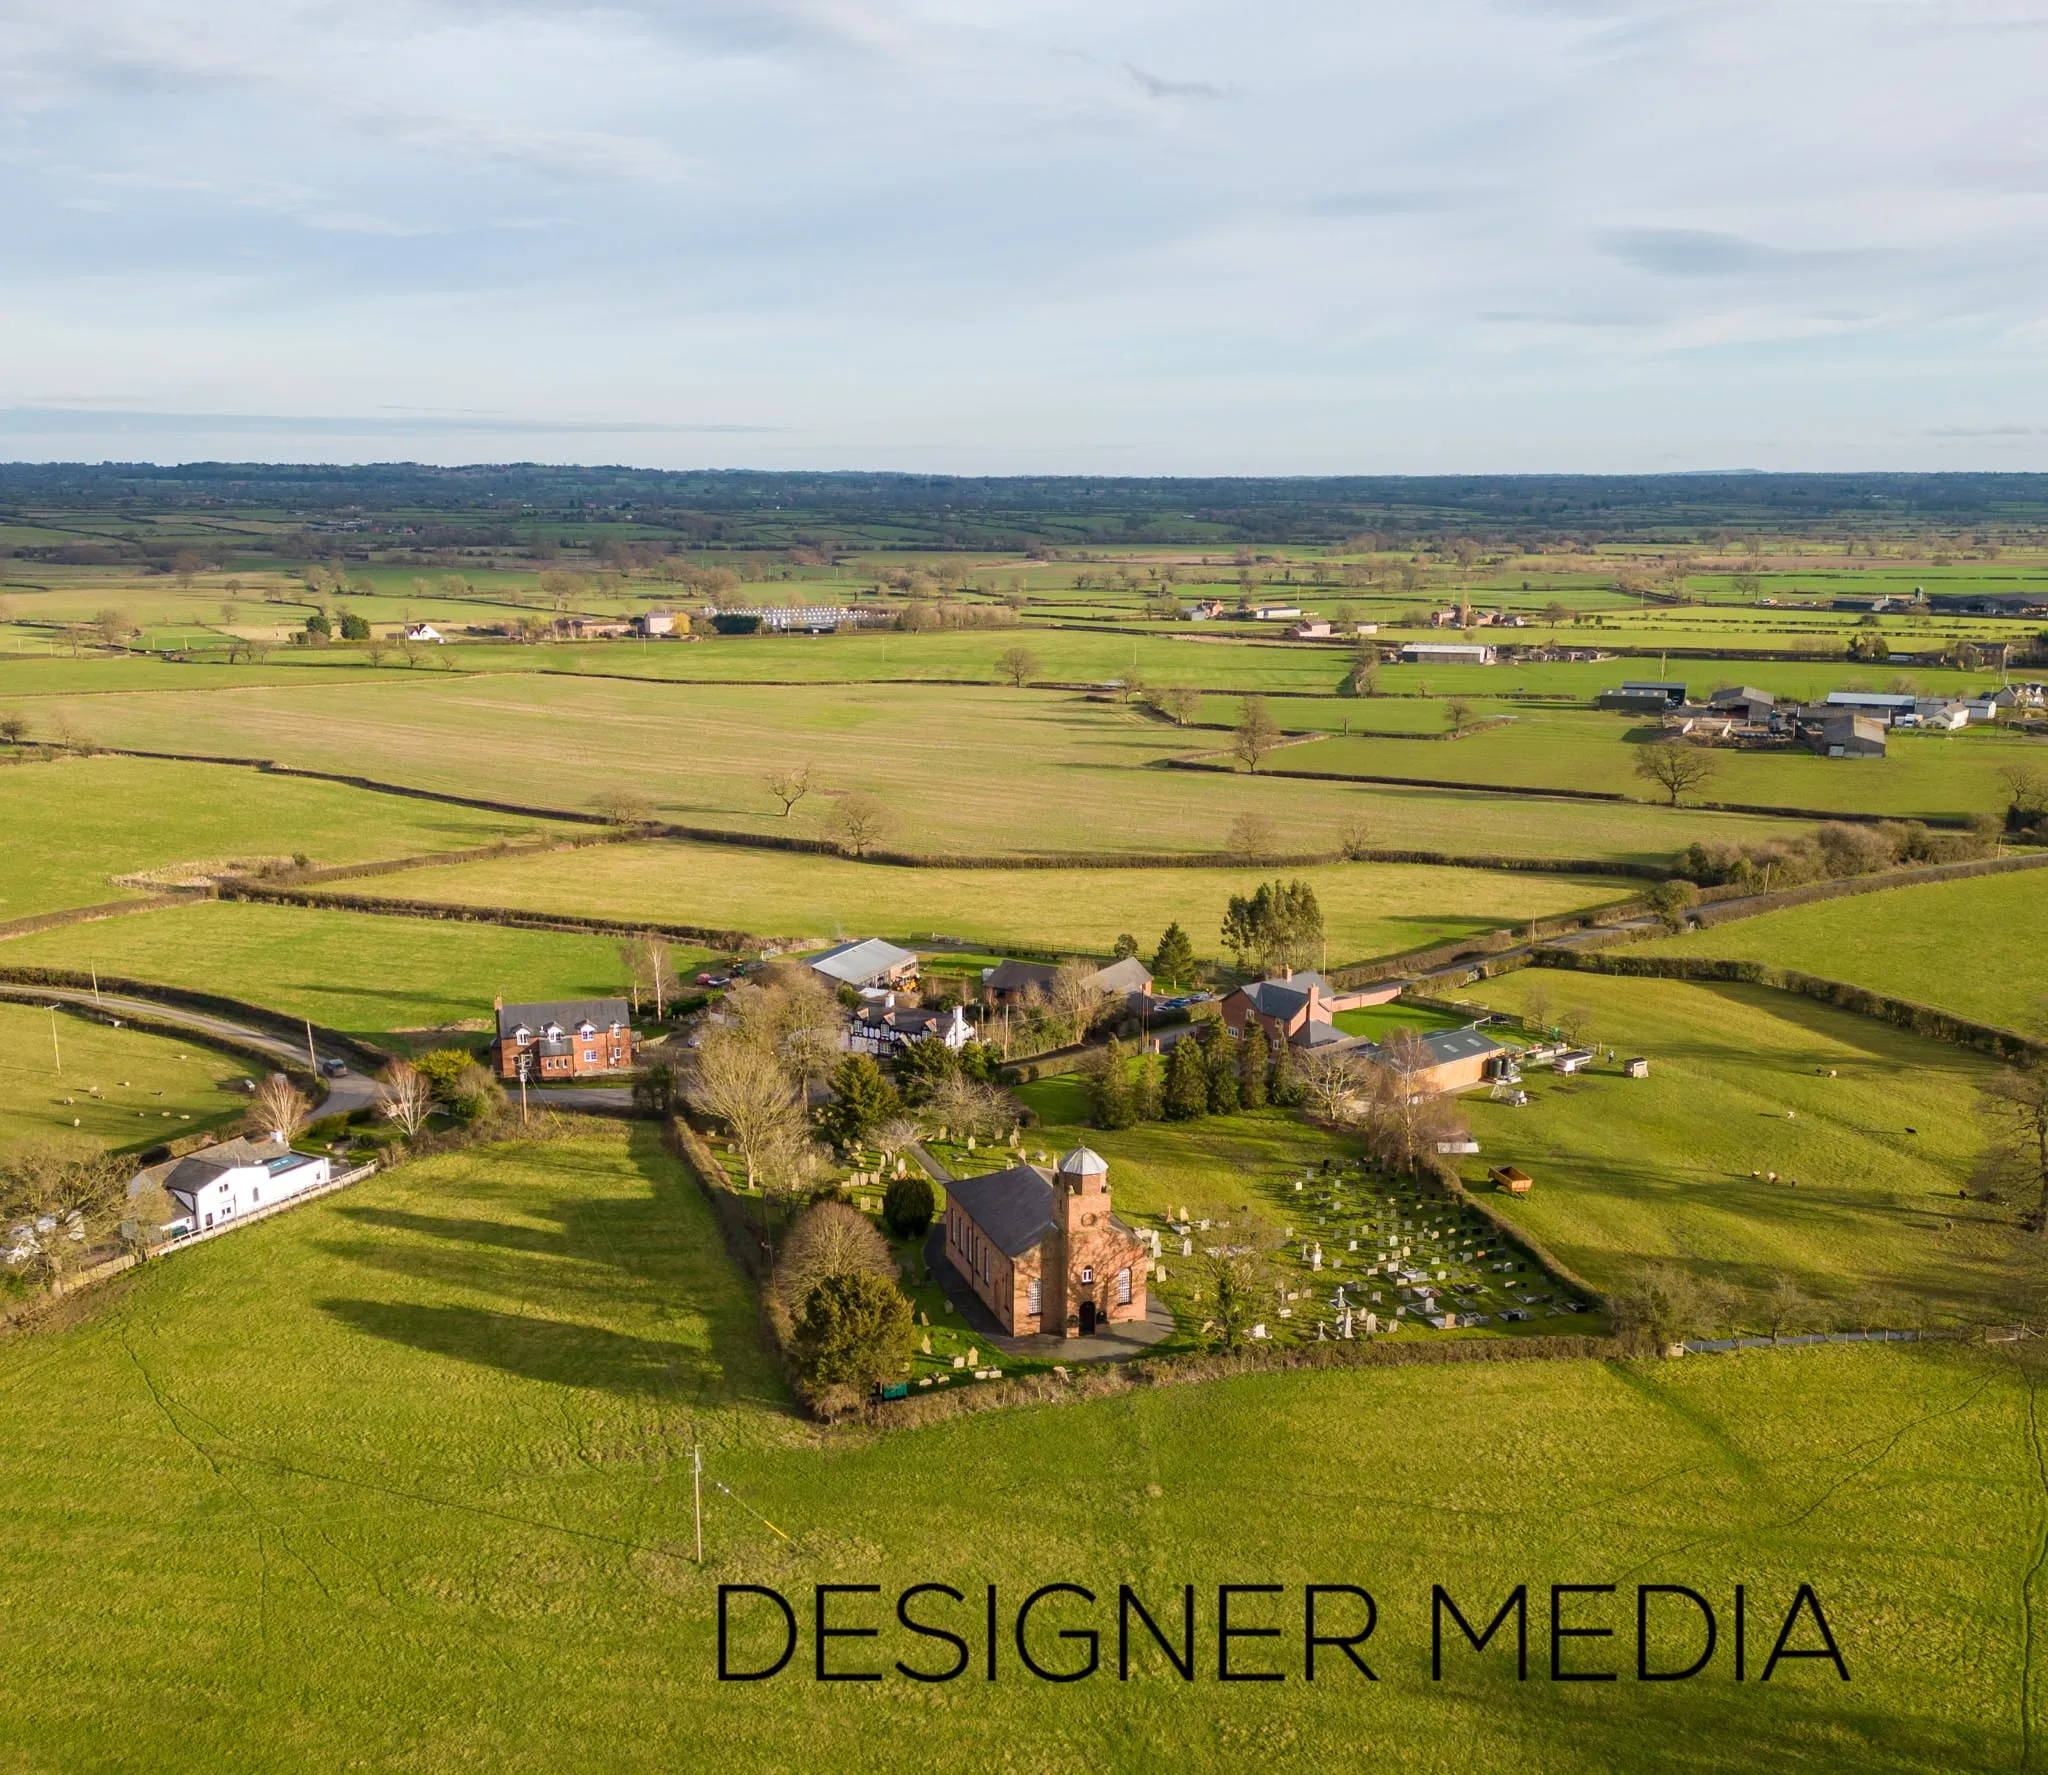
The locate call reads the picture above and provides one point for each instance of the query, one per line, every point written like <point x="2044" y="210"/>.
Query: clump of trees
<point x="1828" y="852"/>
<point x="850" y="1326"/>
<point x="1278" y="928"/>
<point x="69" y="1197"/>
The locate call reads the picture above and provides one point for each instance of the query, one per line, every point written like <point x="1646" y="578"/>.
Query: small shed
<point x="1512" y="1179"/>
<point x="1573" y="1060"/>
<point x="1636" y="1068"/>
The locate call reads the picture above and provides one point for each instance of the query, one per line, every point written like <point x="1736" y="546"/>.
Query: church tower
<point x="1081" y="1216"/>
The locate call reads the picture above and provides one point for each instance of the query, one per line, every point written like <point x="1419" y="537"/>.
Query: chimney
<point x="498" y="1003"/>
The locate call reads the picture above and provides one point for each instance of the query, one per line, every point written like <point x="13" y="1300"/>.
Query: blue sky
<point x="1296" y="236"/>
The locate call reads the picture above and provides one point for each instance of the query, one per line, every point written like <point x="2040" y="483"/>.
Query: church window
<point x="1123" y="1288"/>
<point x="1087" y="1272"/>
<point x="1034" y="1297"/>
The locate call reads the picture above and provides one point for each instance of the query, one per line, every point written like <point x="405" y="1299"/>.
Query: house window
<point x="1087" y="1272"/>
<point x="1034" y="1297"/>
<point x="589" y="1056"/>
<point x="1123" y="1288"/>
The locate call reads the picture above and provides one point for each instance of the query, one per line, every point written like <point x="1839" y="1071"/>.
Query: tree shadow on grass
<point x="554" y="1350"/>
<point x="566" y="1257"/>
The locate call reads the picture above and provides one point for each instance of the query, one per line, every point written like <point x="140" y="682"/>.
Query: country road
<point x="345" y="1095"/>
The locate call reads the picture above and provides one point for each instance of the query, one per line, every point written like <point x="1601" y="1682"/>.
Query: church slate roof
<point x="1012" y="1208"/>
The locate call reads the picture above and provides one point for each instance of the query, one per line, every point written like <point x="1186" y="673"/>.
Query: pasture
<point x="445" y="1523"/>
<point x="1368" y="908"/>
<point x="956" y="769"/>
<point x="354" y="971"/>
<point x="1871" y="1131"/>
<point x="1974" y="948"/>
<point x="1923" y="774"/>
<point x="95" y="818"/>
<point x="108" y="1087"/>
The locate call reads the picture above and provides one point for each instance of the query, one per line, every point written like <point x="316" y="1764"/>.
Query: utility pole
<point x="54" y="1048"/>
<point x="697" y="1495"/>
<point x="312" y="1059"/>
<point x="95" y="967"/>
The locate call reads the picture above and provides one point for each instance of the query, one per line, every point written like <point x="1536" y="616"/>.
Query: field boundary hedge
<point x="1903" y="1013"/>
<point x="1483" y="945"/>
<point x="509" y="917"/>
<point x="51" y="921"/>
<point x="212" y="1004"/>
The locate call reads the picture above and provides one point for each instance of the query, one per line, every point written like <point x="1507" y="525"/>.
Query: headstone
<point x="959" y="1361"/>
<point x="1187" y="1248"/>
<point x="973" y="1358"/>
<point x="1315" y="1261"/>
<point x="1259" y="1330"/>
<point x="926" y="1345"/>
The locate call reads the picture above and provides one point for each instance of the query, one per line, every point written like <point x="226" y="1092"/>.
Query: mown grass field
<point x="80" y="821"/>
<point x="491" y="1566"/>
<point x="1880" y="1138"/>
<point x="108" y="1087"/>
<point x="974" y="769"/>
<point x="1368" y="908"/>
<point x="1975" y="948"/>
<point x="353" y="971"/>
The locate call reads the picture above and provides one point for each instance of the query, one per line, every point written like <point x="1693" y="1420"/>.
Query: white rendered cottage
<point x="214" y="1185"/>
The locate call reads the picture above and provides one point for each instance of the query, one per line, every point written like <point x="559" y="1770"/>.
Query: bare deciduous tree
<point x="1017" y="666"/>
<point x="622" y="807"/>
<point x="277" y="1108"/>
<point x="1330" y="1080"/>
<point x="2014" y="1103"/>
<point x="1075" y="998"/>
<point x="745" y="1087"/>
<point x="67" y="1197"/>
<point x="860" y="820"/>
<point x="789" y="784"/>
<point x="831" y="1239"/>
<point x="1253" y="837"/>
<point x="1256" y="733"/>
<point x="650" y="969"/>
<point x="1183" y="702"/>
<point x="1676" y="766"/>
<point x="405" y="1095"/>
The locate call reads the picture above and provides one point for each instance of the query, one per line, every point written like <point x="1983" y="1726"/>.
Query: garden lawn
<point x="443" y="1523"/>
<point x="109" y="1087"/>
<point x="77" y="822"/>
<point x="1974" y="948"/>
<point x="1368" y="908"/>
<point x="1877" y="1127"/>
<point x="958" y="770"/>
<point x="358" y="972"/>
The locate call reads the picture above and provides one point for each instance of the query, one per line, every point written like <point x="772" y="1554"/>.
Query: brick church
<point x="1044" y="1249"/>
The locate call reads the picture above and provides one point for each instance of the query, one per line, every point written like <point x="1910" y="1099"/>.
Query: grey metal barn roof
<point x="1460" y="1044"/>
<point x="1012" y="1208"/>
<point x="864" y="959"/>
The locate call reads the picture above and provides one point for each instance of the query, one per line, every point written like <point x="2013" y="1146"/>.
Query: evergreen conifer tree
<point x="1109" y="1089"/>
<point x="1187" y="1081"/>
<point x="1175" y="959"/>
<point x="1253" y="1063"/>
<point x="1220" y="1054"/>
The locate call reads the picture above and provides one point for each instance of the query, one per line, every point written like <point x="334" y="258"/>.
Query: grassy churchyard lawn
<point x="1063" y="773"/>
<point x="1974" y="948"/>
<point x="1269" y="1183"/>
<point x="1368" y="908"/>
<point x="359" y="972"/>
<point x="1871" y="1131"/>
<point x="96" y="818"/>
<point x="445" y="1523"/>
<point x="109" y="1087"/>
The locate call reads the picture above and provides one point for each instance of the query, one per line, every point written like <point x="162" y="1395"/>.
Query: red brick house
<point x="570" y="1039"/>
<point x="1045" y="1251"/>
<point x="1300" y="1008"/>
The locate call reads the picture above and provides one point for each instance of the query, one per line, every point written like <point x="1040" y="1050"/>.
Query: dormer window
<point x="522" y="1035"/>
<point x="586" y="1030"/>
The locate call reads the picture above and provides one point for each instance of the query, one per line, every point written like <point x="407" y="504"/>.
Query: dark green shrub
<point x="911" y="1205"/>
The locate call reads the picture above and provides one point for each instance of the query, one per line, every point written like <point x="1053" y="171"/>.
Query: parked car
<point x="334" y="1069"/>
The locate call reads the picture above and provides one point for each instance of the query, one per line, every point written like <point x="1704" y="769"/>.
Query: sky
<point x="1028" y="236"/>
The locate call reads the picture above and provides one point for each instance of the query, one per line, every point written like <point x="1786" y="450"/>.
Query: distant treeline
<point x="752" y="508"/>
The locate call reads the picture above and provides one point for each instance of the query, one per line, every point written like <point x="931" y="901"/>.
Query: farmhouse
<point x="1447" y="653"/>
<point x="1044" y="1250"/>
<point x="1310" y="629"/>
<point x="656" y="622"/>
<point x="566" y="1039"/>
<point x="1300" y="1008"/>
<point x="885" y="1027"/>
<point x="1015" y="982"/>
<point x="422" y="631"/>
<point x="212" y="1186"/>
<point x="867" y="961"/>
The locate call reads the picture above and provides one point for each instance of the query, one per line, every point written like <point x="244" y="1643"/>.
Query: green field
<point x="353" y="971"/>
<point x="111" y="1087"/>
<point x="1634" y="1170"/>
<point x="1971" y="947"/>
<point x="958" y="769"/>
<point x="1368" y="908"/>
<point x="1922" y="774"/>
<point x="95" y="818"/>
<point x="445" y="1524"/>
